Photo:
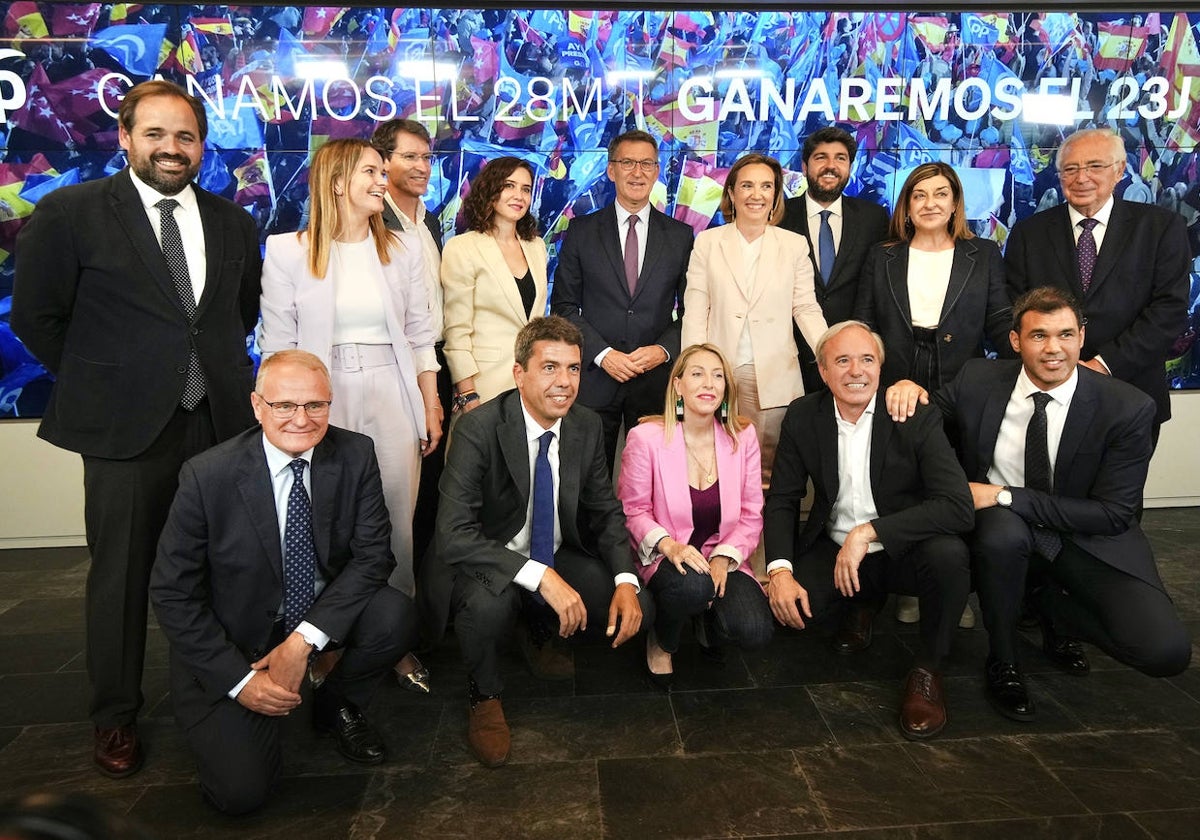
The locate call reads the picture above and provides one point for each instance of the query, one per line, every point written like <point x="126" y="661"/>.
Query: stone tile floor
<point x="791" y="741"/>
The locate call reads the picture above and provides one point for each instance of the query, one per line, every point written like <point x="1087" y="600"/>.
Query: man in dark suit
<point x="408" y="159"/>
<point x="276" y="546"/>
<point x="137" y="292"/>
<point x="528" y="523"/>
<point x="890" y="502"/>
<point x="840" y="231"/>
<point x="1057" y="455"/>
<point x="623" y="287"/>
<point x="1127" y="263"/>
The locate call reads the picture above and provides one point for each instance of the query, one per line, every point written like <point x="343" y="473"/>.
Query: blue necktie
<point x="825" y="242"/>
<point x="299" y="553"/>
<point x="541" y="538"/>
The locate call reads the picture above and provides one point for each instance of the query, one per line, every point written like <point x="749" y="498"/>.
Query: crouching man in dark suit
<point x="252" y="578"/>
<point x="890" y="502"/>
<point x="1057" y="455"/>
<point x="528" y="523"/>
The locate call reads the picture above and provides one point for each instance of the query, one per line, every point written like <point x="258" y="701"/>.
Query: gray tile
<point x="43" y="559"/>
<point x="1168" y="825"/>
<point x="1119" y="700"/>
<point x="748" y="720"/>
<point x="43" y="615"/>
<point x="62" y="697"/>
<point x="39" y="653"/>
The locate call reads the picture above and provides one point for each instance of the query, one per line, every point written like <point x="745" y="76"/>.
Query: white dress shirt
<point x="431" y="257"/>
<point x="813" y="210"/>
<point x="191" y="228"/>
<point x="1008" y="460"/>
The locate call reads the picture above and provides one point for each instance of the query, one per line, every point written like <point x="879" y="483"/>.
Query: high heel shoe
<point x="321" y="665"/>
<point x="415" y="680"/>
<point x="662" y="682"/>
<point x="712" y="652"/>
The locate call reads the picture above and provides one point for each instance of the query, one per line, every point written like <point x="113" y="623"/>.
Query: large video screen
<point x="992" y="93"/>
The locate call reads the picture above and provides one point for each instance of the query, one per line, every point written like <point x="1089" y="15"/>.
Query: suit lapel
<point x="731" y="252"/>
<point x="325" y="479"/>
<point x="1114" y="234"/>
<point x="497" y="268"/>
<point x="536" y="259"/>
<point x="897" y="280"/>
<point x="131" y="216"/>
<point x="656" y="231"/>
<point x="728" y="474"/>
<point x="514" y="447"/>
<point x="673" y="472"/>
<point x="1079" y="419"/>
<point x="214" y="249"/>
<point x="881" y="436"/>
<point x="961" y="268"/>
<point x="1059" y="230"/>
<point x="609" y="236"/>
<point x="573" y="454"/>
<point x="255" y="488"/>
<point x="827" y="440"/>
<point x="989" y="425"/>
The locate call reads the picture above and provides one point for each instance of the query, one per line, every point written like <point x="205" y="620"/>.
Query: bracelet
<point x="462" y="400"/>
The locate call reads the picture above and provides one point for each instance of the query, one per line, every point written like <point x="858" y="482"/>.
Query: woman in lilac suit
<point x="691" y="484"/>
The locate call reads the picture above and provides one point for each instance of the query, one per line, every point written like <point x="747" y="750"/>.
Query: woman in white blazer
<point x="494" y="279"/>
<point x="349" y="291"/>
<point x="746" y="283"/>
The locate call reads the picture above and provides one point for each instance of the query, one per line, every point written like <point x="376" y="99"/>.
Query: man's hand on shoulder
<point x="624" y="614"/>
<point x="565" y="601"/>
<point x="902" y="398"/>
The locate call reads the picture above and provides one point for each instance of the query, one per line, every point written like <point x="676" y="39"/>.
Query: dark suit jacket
<point x="976" y="306"/>
<point x="1136" y="305"/>
<point x="93" y="300"/>
<point x="1101" y="465"/>
<point x="431" y="223"/>
<point x="864" y="223"/>
<point x="485" y="495"/>
<point x="590" y="290"/>
<point x="918" y="486"/>
<point x="217" y="582"/>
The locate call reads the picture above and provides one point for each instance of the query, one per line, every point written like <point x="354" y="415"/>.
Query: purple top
<point x="706" y="514"/>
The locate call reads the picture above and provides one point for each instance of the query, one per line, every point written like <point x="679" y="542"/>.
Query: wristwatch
<point x="1004" y="497"/>
<point x="461" y="400"/>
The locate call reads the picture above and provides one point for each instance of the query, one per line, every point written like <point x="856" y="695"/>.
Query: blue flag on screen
<point x="135" y="46"/>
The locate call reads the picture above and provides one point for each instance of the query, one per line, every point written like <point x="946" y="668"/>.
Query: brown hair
<point x="548" y="328"/>
<point x="731" y="181"/>
<point x="127" y="113"/>
<point x="901" y="229"/>
<point x="384" y="138"/>
<point x="486" y="188"/>
<point x="1044" y="299"/>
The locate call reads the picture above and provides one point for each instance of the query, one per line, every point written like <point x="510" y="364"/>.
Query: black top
<point x="528" y="291"/>
<point x="706" y="514"/>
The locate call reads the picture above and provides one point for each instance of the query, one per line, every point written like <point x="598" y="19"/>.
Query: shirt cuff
<point x="312" y="635"/>
<point x="530" y="576"/>
<point x="630" y="578"/>
<point x="735" y="556"/>
<point x="426" y="360"/>
<point x="666" y="352"/>
<point x="237" y="689"/>
<point x="646" y="548"/>
<point x="779" y="564"/>
<point x="600" y="356"/>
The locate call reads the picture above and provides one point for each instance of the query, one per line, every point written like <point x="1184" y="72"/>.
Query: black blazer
<point x="1137" y="303"/>
<point x="590" y="290"/>
<point x="217" y="582"/>
<point x="918" y="486"/>
<point x="864" y="223"/>
<point x="1101" y="465"/>
<point x="431" y="224"/>
<point x="93" y="300"/>
<point x="485" y="495"/>
<point x="976" y="305"/>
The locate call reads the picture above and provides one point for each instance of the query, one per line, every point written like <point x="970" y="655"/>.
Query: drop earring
<point x="679" y="409"/>
<point x="724" y="411"/>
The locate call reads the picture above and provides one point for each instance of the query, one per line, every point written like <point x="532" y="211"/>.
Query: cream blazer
<point x="718" y="304"/>
<point x="483" y="309"/>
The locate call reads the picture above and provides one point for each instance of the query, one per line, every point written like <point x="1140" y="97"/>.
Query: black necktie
<point x="541" y="537"/>
<point x="1085" y="253"/>
<point x="299" y="553"/>
<point x="1037" y="471"/>
<point x="172" y="248"/>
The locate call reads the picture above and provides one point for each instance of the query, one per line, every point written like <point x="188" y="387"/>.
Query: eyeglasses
<point x="283" y="410"/>
<point x="628" y="164"/>
<point x="1072" y="170"/>
<point x="413" y="157"/>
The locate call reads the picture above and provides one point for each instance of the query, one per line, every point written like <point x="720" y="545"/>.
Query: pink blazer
<point x="653" y="487"/>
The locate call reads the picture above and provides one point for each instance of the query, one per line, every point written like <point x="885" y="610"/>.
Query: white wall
<point x="43" y="486"/>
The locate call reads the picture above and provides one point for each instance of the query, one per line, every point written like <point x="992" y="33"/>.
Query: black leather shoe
<point x="1064" y="654"/>
<point x="855" y="631"/>
<point x="356" y="739"/>
<point x="1006" y="691"/>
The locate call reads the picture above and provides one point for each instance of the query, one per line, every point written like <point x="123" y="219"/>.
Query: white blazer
<point x="718" y="304"/>
<point x="298" y="310"/>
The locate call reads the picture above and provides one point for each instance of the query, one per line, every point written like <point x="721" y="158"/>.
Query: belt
<point x="359" y="356"/>
<point x="925" y="334"/>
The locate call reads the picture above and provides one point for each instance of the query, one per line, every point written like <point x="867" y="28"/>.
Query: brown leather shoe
<point x="855" y="630"/>
<point x="548" y="662"/>
<point x="487" y="733"/>
<point x="118" y="752"/>
<point x="922" y="709"/>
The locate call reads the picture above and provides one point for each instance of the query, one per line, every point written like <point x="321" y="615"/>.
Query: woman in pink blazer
<point x="691" y="486"/>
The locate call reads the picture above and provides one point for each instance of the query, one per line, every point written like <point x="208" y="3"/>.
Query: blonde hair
<point x="732" y="423"/>
<point x="333" y="163"/>
<point x="299" y="358"/>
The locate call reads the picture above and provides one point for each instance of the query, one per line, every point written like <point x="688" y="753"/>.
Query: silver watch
<point x="1004" y="497"/>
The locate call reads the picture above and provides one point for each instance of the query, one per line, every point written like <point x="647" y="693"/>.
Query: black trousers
<point x="425" y="514"/>
<point x="125" y="505"/>
<point x="482" y="620"/>
<point x="1131" y="620"/>
<point x="635" y="399"/>
<point x="936" y="570"/>
<point x="237" y="751"/>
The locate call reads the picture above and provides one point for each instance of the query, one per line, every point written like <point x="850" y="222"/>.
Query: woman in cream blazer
<point x="746" y="283"/>
<point x="494" y="279"/>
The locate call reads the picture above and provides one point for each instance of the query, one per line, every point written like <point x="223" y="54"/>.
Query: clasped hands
<point x="274" y="689"/>
<point x="625" y="366"/>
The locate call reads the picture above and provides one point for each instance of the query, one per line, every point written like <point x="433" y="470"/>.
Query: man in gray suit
<point x="528" y="523"/>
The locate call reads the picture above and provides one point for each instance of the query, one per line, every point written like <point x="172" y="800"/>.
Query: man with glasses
<point x="408" y="160"/>
<point x="276" y="547"/>
<point x="1128" y="263"/>
<point x="620" y="277"/>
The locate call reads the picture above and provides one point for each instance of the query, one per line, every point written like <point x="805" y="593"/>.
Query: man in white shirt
<point x="890" y="500"/>
<point x="528" y="523"/>
<point x="278" y="546"/>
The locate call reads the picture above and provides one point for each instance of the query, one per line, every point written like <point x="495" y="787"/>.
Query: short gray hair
<point x="828" y="335"/>
<point x="1114" y="139"/>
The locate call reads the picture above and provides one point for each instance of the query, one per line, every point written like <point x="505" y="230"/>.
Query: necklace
<point x="708" y="472"/>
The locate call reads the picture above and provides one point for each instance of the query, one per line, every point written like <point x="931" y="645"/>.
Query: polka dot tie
<point x="172" y="248"/>
<point x="1085" y="253"/>
<point x="299" y="553"/>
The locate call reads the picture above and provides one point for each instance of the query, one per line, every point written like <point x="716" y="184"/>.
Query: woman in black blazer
<point x="934" y="290"/>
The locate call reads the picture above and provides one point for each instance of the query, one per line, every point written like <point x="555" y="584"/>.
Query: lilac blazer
<point x="653" y="487"/>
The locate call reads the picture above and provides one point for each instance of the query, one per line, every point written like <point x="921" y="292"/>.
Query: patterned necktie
<point x="172" y="248"/>
<point x="631" y="255"/>
<point x="1085" y="253"/>
<point x="541" y="537"/>
<point x="299" y="553"/>
<point x="1037" y="471"/>
<point x="825" y="244"/>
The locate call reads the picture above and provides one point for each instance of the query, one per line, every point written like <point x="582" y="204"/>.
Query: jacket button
<point x="181" y="369"/>
<point x="947" y="338"/>
<point x="195" y="331"/>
